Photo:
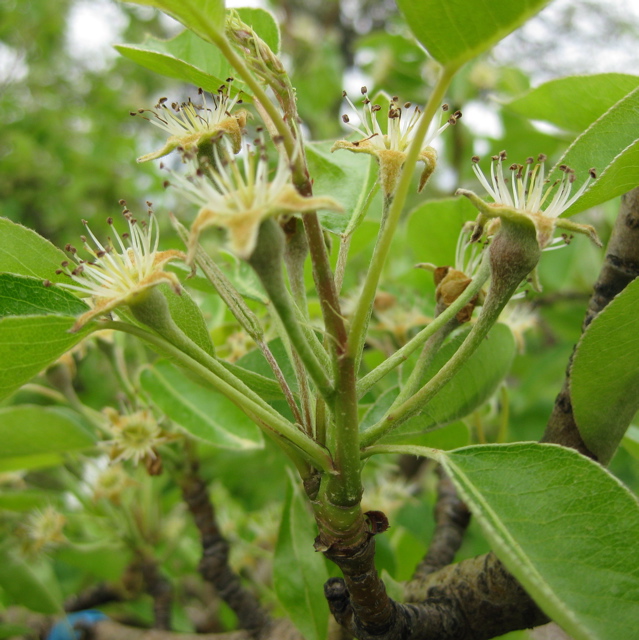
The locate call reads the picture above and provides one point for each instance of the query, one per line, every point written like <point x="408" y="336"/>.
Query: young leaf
<point x="23" y="296"/>
<point x="299" y="572"/>
<point x="186" y="57"/>
<point x="31" y="586"/>
<point x="204" y="414"/>
<point x="611" y="146"/>
<point x="28" y="344"/>
<point x="575" y="102"/>
<point x="30" y="430"/>
<point x="604" y="379"/>
<point x="473" y="385"/>
<point x="563" y="526"/>
<point x="342" y="176"/>
<point x="24" y="252"/>
<point x="200" y="16"/>
<point x="456" y="31"/>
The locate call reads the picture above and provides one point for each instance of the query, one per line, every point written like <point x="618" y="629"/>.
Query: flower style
<point x="135" y="436"/>
<point x="191" y="126"/>
<point x="114" y="278"/>
<point x="240" y="201"/>
<point x="523" y="201"/>
<point x="390" y="148"/>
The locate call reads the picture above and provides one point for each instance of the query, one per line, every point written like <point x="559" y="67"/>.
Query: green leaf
<point x="28" y="344"/>
<point x="199" y="16"/>
<point x="434" y="227"/>
<point x="604" y="379"/>
<point x="187" y="315"/>
<point x="186" y="57"/>
<point x="299" y="572"/>
<point x="101" y="560"/>
<point x="203" y="413"/>
<point x="341" y="175"/>
<point x="30" y="584"/>
<point x="24" y="252"/>
<point x="611" y="146"/>
<point x="189" y="58"/>
<point x="575" y="102"/>
<point x="30" y="431"/>
<point x="456" y="31"/>
<point x="563" y="526"/>
<point x="473" y="385"/>
<point x="23" y="296"/>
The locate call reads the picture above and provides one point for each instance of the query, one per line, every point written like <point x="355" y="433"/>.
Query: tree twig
<point x="621" y="266"/>
<point x="214" y="566"/>
<point x="159" y="588"/>
<point x="478" y="599"/>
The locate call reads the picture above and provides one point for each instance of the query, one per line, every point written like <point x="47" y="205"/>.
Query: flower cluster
<point x="390" y="148"/>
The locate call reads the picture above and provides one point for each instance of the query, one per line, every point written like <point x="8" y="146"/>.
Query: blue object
<point x="63" y="629"/>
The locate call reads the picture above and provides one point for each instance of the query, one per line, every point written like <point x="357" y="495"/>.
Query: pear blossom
<point x="531" y="198"/>
<point x="239" y="199"/>
<point x="390" y="148"/>
<point x="43" y="530"/>
<point x="191" y="125"/>
<point x="119" y="273"/>
<point x="136" y="435"/>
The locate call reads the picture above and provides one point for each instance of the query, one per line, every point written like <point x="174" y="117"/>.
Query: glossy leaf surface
<point x="605" y="374"/>
<point x="203" y="413"/>
<point x="456" y="31"/>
